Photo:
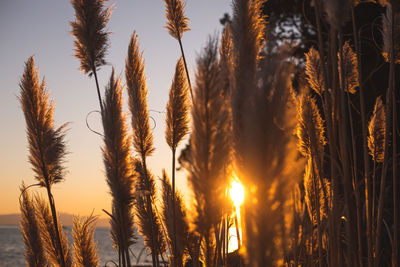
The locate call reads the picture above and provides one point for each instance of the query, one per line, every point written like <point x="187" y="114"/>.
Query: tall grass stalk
<point x="118" y="166"/>
<point x="91" y="38"/>
<point x="177" y="24"/>
<point x="46" y="143"/>
<point x="209" y="149"/>
<point x="177" y="125"/>
<point x="142" y="138"/>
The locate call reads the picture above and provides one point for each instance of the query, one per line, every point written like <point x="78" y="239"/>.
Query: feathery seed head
<point x="387" y="25"/>
<point x="226" y="59"/>
<point x="310" y="127"/>
<point x="177" y="118"/>
<point x="48" y="234"/>
<point x="34" y="252"/>
<point x="117" y="161"/>
<point x="46" y="144"/>
<point x="314" y="72"/>
<point x="377" y="132"/>
<point x="177" y="23"/>
<point x="137" y="92"/>
<point x="91" y="38"/>
<point x="181" y="220"/>
<point x="85" y="249"/>
<point x="348" y="60"/>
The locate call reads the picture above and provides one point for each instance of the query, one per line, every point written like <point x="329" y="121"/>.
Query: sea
<point x="12" y="247"/>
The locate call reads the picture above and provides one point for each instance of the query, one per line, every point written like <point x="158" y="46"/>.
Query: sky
<point x="41" y="28"/>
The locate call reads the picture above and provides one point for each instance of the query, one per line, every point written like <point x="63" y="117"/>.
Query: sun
<point x="237" y="193"/>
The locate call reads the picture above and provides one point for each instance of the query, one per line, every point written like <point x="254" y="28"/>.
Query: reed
<point x="85" y="249"/>
<point x="46" y="143"/>
<point x="175" y="220"/>
<point x="35" y="255"/>
<point x="177" y="24"/>
<point x="209" y="148"/>
<point x="49" y="236"/>
<point x="177" y="126"/>
<point x="91" y="37"/>
<point x="143" y="144"/>
<point x="119" y="172"/>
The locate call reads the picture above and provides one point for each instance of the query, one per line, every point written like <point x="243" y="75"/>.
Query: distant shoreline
<point x="66" y="219"/>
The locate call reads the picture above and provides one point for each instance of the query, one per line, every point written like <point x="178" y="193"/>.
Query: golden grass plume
<point x="85" y="249"/>
<point x="137" y="92"/>
<point x="46" y="143"/>
<point x="181" y="220"/>
<point x="314" y="72"/>
<point x="118" y="166"/>
<point x="377" y="132"/>
<point x="148" y="221"/>
<point x="91" y="37"/>
<point x="348" y="60"/>
<point x="35" y="255"/>
<point x="177" y="23"/>
<point x="177" y="118"/>
<point x="48" y="235"/>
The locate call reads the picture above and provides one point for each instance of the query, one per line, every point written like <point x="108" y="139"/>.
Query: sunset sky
<point x="41" y="28"/>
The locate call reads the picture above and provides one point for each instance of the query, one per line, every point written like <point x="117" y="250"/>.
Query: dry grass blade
<point x="85" y="249"/>
<point x="148" y="221"/>
<point x="91" y="38"/>
<point x="137" y="92"/>
<point x="34" y="252"/>
<point x="310" y="128"/>
<point x="46" y="144"/>
<point x="348" y="60"/>
<point x="377" y="132"/>
<point x="387" y="25"/>
<point x="181" y="220"/>
<point x="315" y="76"/>
<point x="177" y="23"/>
<point x="177" y="108"/>
<point x="48" y="235"/>
<point x="116" y="157"/>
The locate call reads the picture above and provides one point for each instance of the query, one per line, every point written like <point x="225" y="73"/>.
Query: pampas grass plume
<point x="177" y="118"/>
<point x="387" y="25"/>
<point x="48" y="235"/>
<point x="34" y="252"/>
<point x="181" y="220"/>
<point x="116" y="156"/>
<point x="85" y="249"/>
<point x="137" y="92"/>
<point x="177" y="23"/>
<point x="348" y="60"/>
<point x="46" y="143"/>
<point x="315" y="76"/>
<point x="310" y="127"/>
<point x="377" y="132"/>
<point x="91" y="38"/>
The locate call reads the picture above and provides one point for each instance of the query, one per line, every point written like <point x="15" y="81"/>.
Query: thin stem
<point x="173" y="207"/>
<point x="55" y="222"/>
<point x="364" y="138"/>
<point x="98" y="89"/>
<point x="186" y="69"/>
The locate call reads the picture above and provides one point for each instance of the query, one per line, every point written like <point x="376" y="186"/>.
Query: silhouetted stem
<point x="186" y="69"/>
<point x="364" y="138"/>
<point x="98" y="89"/>
<point x="173" y="207"/>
